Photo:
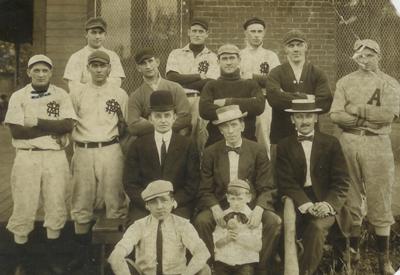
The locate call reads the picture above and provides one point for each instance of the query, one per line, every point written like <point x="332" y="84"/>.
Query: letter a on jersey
<point x="375" y="97"/>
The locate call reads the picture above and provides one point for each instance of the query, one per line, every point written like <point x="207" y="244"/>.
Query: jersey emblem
<point x="203" y="66"/>
<point x="376" y="97"/>
<point x="264" y="68"/>
<point x="112" y="106"/>
<point x="53" y="109"/>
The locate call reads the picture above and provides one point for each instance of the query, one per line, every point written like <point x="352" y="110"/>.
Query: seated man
<point x="160" y="239"/>
<point x="237" y="246"/>
<point x="233" y="158"/>
<point x="162" y="154"/>
<point x="311" y="170"/>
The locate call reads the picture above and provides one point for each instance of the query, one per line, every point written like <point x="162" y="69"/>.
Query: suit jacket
<point x="181" y="168"/>
<point x="253" y="166"/>
<point x="328" y="169"/>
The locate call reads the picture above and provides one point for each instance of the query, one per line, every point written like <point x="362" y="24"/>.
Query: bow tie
<point x="240" y="217"/>
<point x="301" y="138"/>
<point x="233" y="149"/>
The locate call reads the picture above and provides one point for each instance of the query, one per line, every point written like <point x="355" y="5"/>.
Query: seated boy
<point x="160" y="239"/>
<point x="237" y="246"/>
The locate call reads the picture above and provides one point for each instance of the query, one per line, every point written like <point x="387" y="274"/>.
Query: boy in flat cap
<point x="365" y="104"/>
<point x="147" y="64"/>
<point x="97" y="163"/>
<point x="311" y="170"/>
<point x="76" y="71"/>
<point x="237" y="246"/>
<point x="162" y="154"/>
<point x="160" y="240"/>
<point x="231" y="89"/>
<point x="39" y="116"/>
<point x="232" y="158"/>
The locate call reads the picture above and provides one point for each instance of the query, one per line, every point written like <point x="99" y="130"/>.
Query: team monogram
<point x="203" y="66"/>
<point x="112" y="106"/>
<point x="375" y="98"/>
<point x="53" y="109"/>
<point x="264" y="68"/>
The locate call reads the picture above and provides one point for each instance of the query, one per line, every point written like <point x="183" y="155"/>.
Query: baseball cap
<point x="40" y="58"/>
<point x="96" y="22"/>
<point x="144" y="54"/>
<point x="201" y="22"/>
<point x="293" y="35"/>
<point x="359" y="45"/>
<point x="228" y="48"/>
<point x="99" y="56"/>
<point x="238" y="183"/>
<point x="254" y="20"/>
<point x="156" y="189"/>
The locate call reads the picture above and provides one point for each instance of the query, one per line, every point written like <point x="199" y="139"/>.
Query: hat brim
<point x="40" y="61"/>
<point x="316" y="110"/>
<point x="217" y="122"/>
<point x="295" y="39"/>
<point x="156" y="195"/>
<point x="162" y="108"/>
<point x="144" y="57"/>
<point x="97" y="59"/>
<point x="96" y="26"/>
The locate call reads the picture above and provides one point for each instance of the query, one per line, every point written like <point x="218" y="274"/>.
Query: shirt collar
<point x="204" y="51"/>
<point x="166" y="136"/>
<point x="309" y="134"/>
<point x="240" y="144"/>
<point x="90" y="50"/>
<point x="246" y="210"/>
<point x="250" y="48"/>
<point x="153" y="84"/>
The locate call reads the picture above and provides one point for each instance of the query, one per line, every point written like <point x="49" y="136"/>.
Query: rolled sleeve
<point x="15" y="112"/>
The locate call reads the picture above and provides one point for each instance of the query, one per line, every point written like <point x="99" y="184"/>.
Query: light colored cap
<point x="39" y="58"/>
<point x="303" y="106"/>
<point x="359" y="45"/>
<point x="156" y="189"/>
<point x="228" y="113"/>
<point x="228" y="48"/>
<point x="238" y="183"/>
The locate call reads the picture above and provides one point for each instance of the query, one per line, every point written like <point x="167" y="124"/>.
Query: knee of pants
<point x="204" y="220"/>
<point x="271" y="221"/>
<point x="318" y="227"/>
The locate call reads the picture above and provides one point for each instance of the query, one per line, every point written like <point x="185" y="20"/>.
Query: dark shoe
<point x="81" y="256"/>
<point x="51" y="257"/>
<point x="24" y="263"/>
<point x="385" y="266"/>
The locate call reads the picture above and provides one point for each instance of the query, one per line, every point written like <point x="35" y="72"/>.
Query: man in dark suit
<point x="162" y="155"/>
<point x="311" y="170"/>
<point x="232" y="158"/>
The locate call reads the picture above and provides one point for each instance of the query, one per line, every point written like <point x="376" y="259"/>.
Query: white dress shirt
<point x="233" y="163"/>
<point x="307" y="146"/>
<point x="159" y="137"/>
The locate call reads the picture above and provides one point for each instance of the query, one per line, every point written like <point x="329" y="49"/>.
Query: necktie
<point x="233" y="149"/>
<point x="159" y="248"/>
<point x="301" y="138"/>
<point x="163" y="152"/>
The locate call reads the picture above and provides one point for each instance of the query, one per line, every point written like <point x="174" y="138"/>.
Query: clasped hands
<point x="320" y="210"/>
<point x="254" y="218"/>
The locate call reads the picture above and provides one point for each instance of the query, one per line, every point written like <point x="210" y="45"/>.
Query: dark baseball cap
<point x="144" y="54"/>
<point x="254" y="20"/>
<point x="99" y="56"/>
<point x="201" y="22"/>
<point x="96" y="22"/>
<point x="294" y="35"/>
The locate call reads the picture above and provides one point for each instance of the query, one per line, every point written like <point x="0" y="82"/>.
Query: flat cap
<point x="359" y="45"/>
<point x="144" y="54"/>
<point x="238" y="183"/>
<point x="254" y="20"/>
<point x="99" y="56"/>
<point x="40" y="58"/>
<point x="293" y="35"/>
<point x="156" y="189"/>
<point x="96" y="22"/>
<point x="228" y="48"/>
<point x="200" y="22"/>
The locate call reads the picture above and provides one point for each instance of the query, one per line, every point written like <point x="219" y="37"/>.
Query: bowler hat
<point x="96" y="22"/>
<point x="99" y="56"/>
<point x="254" y="20"/>
<point x="303" y="106"/>
<point x="228" y="113"/>
<point x="156" y="189"/>
<point x="161" y="101"/>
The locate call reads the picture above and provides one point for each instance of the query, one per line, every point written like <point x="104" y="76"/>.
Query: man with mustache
<point x="76" y="72"/>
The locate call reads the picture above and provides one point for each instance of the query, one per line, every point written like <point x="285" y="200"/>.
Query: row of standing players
<point x="41" y="114"/>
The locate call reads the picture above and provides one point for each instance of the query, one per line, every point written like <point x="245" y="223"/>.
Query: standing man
<point x="39" y="116"/>
<point x="232" y="158"/>
<point x="295" y="79"/>
<point x="193" y="66"/>
<point x="139" y="101"/>
<point x="366" y="102"/>
<point x="256" y="63"/>
<point x="76" y="69"/>
<point x="165" y="155"/>
<point x="97" y="163"/>
<point x="231" y="89"/>
<point x="311" y="170"/>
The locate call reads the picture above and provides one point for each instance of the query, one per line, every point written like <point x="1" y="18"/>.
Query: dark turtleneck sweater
<point x="243" y="92"/>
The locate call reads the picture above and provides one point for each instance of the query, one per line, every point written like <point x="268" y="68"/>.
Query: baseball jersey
<point x="257" y="61"/>
<point x="76" y="68"/>
<point x="183" y="61"/>
<point x="54" y="104"/>
<point x="376" y="96"/>
<point x="96" y="109"/>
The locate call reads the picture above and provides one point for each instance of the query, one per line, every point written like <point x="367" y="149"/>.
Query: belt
<point x="360" y="132"/>
<point x="193" y="94"/>
<point x="34" y="149"/>
<point x="96" y="144"/>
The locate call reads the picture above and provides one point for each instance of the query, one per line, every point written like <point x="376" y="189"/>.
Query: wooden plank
<point x="39" y="26"/>
<point x="289" y="223"/>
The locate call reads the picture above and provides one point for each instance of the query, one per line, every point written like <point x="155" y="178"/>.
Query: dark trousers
<point x="225" y="269"/>
<point x="205" y="224"/>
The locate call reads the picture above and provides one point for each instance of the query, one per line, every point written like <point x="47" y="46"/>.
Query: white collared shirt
<point x="253" y="59"/>
<point x="159" y="139"/>
<point x="233" y="163"/>
<point x="307" y="146"/>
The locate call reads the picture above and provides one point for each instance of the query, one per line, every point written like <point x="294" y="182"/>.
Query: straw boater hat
<point x="228" y="113"/>
<point x="303" y="106"/>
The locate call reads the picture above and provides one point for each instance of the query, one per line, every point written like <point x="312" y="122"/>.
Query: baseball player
<point x="97" y="164"/>
<point x="39" y="117"/>
<point x="365" y="103"/>
<point x="76" y="69"/>
<point x="255" y="63"/>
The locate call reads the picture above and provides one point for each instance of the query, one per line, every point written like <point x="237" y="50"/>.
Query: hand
<point x="30" y="121"/>
<point x="372" y="125"/>
<point x="255" y="217"/>
<point x="232" y="235"/>
<point x="218" y="215"/>
<point x="220" y="102"/>
<point x="203" y="75"/>
<point x="351" y="109"/>
<point x="322" y="209"/>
